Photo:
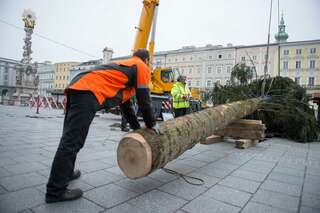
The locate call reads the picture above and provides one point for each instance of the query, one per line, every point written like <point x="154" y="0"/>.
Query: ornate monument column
<point x="27" y="79"/>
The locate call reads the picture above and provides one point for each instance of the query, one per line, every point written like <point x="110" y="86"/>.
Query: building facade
<point x="207" y="65"/>
<point x="255" y="56"/>
<point x="203" y="66"/>
<point x="61" y="76"/>
<point x="8" y="73"/>
<point x="45" y="72"/>
<point x="300" y="62"/>
<point x="107" y="55"/>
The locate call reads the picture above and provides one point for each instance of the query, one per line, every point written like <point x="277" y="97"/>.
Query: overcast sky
<point x="91" y="25"/>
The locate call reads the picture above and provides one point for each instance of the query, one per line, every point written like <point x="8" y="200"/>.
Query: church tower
<point x="281" y="36"/>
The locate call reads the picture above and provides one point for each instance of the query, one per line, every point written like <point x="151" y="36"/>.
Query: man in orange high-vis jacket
<point x="105" y="86"/>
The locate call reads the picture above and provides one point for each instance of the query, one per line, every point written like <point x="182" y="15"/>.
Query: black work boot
<point x="75" y="175"/>
<point x="69" y="194"/>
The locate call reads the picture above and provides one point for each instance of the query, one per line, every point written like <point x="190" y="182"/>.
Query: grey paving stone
<point x="20" y="200"/>
<point x="289" y="171"/>
<point x="182" y="189"/>
<point x="91" y="166"/>
<point x="209" y="181"/>
<point x="6" y="160"/>
<point x="112" y="161"/>
<point x="261" y="163"/>
<point x="2" y="190"/>
<point x="26" y="211"/>
<point x="305" y="209"/>
<point x="275" y="186"/>
<point x="280" y="177"/>
<point x="80" y="205"/>
<point x="311" y="200"/>
<point x="257" y="167"/>
<point x="109" y="195"/>
<point x="115" y="170"/>
<point x="310" y="187"/>
<point x="240" y="184"/>
<point x="206" y="204"/>
<point x="162" y="176"/>
<point x="250" y="175"/>
<point x="17" y="182"/>
<point x="228" y="195"/>
<point x="127" y="208"/>
<point x="156" y="201"/>
<point x="193" y="162"/>
<point x="277" y="200"/>
<point x="180" y="167"/>
<point x="79" y="184"/>
<point x="313" y="171"/>
<point x="208" y="158"/>
<point x="284" y="163"/>
<point x="253" y="207"/>
<point x="4" y="172"/>
<point x="22" y="168"/>
<point x="44" y="172"/>
<point x="312" y="179"/>
<point x="223" y="165"/>
<point x="140" y="185"/>
<point x="215" y="172"/>
<point x="99" y="178"/>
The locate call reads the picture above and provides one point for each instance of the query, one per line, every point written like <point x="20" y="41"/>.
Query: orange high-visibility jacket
<point x="114" y="83"/>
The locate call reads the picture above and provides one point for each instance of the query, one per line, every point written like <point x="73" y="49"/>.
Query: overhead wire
<point x="49" y="39"/>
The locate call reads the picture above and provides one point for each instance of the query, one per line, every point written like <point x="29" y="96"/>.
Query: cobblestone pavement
<point x="277" y="175"/>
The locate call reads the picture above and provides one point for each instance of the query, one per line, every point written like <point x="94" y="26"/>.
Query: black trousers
<point x="80" y="111"/>
<point x="180" y="112"/>
<point x="124" y="122"/>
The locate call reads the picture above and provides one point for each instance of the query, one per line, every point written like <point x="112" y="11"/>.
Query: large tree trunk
<point x="143" y="151"/>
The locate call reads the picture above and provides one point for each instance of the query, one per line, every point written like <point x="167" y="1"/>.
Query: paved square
<point x="277" y="175"/>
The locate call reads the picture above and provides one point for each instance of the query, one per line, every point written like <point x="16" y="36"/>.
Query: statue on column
<point x="27" y="79"/>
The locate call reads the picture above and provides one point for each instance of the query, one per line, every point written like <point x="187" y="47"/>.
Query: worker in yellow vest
<point x="181" y="96"/>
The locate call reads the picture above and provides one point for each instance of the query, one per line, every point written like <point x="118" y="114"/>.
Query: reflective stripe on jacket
<point x="178" y="91"/>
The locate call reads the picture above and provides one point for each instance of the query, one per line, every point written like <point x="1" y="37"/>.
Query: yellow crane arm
<point x="145" y="23"/>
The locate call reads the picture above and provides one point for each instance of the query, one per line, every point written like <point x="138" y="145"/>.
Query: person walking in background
<point x="181" y="96"/>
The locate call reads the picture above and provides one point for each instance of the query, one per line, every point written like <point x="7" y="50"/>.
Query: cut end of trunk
<point x="134" y="156"/>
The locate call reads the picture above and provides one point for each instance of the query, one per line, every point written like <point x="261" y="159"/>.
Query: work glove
<point x="157" y="129"/>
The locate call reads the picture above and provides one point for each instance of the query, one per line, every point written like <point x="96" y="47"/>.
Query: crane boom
<point x="145" y="23"/>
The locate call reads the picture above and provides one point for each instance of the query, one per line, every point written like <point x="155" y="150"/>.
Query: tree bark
<point x="143" y="151"/>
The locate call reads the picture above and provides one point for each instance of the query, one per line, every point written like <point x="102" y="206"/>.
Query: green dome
<point x="281" y="36"/>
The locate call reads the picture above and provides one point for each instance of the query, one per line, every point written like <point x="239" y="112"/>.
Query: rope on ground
<point x="185" y="177"/>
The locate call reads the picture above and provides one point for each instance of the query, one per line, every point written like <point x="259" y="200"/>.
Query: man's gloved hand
<point x="157" y="129"/>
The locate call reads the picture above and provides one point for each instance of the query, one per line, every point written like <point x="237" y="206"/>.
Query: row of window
<point x="312" y="64"/>
<point x="243" y="58"/>
<point x="218" y="69"/>
<point x="311" y="80"/>
<point x="209" y="82"/>
<point x="210" y="57"/>
<point x="210" y="70"/>
<point x="45" y="86"/>
<point x="61" y="85"/>
<point x="62" y="77"/>
<point x="299" y="51"/>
